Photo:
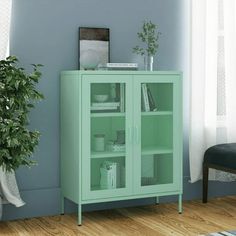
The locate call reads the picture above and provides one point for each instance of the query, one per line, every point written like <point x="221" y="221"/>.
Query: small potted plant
<point x="17" y="95"/>
<point x="149" y="37"/>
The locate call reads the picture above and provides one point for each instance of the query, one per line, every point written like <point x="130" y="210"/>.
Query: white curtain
<point x="213" y="81"/>
<point x="230" y="67"/>
<point x="5" y="20"/>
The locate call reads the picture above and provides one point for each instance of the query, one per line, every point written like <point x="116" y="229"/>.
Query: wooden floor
<point x="217" y="215"/>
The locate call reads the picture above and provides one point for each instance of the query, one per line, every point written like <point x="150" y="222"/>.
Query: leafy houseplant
<point x="149" y="37"/>
<point x="17" y="95"/>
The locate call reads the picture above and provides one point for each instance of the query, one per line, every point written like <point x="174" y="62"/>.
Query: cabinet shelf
<point x="156" y="150"/>
<point x="107" y="114"/>
<point x="106" y="154"/>
<point x="157" y="113"/>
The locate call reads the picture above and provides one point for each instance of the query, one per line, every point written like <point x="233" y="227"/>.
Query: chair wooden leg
<point x="205" y="183"/>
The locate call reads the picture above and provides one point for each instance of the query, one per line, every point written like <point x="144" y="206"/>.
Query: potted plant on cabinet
<point x="149" y="37"/>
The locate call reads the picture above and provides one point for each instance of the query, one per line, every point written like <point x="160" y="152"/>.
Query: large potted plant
<point x="17" y="96"/>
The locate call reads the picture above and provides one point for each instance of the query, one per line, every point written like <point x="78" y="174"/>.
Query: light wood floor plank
<point x="158" y="220"/>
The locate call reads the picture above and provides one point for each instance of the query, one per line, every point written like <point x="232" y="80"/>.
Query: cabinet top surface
<point x="118" y="72"/>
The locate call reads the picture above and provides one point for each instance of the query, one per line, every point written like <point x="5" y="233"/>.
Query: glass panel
<point x="107" y="173"/>
<point x="156" y="97"/>
<point x="108" y="136"/>
<point x="157" y="133"/>
<point x="157" y="169"/>
<point x="107" y="97"/>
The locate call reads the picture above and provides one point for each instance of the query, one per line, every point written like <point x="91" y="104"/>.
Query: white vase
<point x="89" y="59"/>
<point x="148" y="63"/>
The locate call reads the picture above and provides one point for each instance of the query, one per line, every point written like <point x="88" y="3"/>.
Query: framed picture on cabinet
<point x="94" y="48"/>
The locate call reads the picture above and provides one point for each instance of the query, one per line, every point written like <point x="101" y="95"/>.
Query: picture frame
<point x="94" y="47"/>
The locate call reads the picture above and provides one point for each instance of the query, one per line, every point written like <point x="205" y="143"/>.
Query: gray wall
<point x="46" y="32"/>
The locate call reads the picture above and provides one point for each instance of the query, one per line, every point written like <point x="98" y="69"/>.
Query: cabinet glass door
<point x="156" y="125"/>
<point x="106" y="148"/>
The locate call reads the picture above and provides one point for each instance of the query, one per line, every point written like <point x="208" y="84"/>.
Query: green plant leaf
<point x="149" y="38"/>
<point x="17" y="94"/>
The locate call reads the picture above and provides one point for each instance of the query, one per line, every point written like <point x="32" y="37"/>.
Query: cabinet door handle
<point x="136" y="134"/>
<point x="130" y="135"/>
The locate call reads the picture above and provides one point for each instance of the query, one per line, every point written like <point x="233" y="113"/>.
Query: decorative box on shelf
<point x="110" y="175"/>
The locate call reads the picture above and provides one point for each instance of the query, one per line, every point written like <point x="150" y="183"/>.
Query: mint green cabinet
<point x="121" y="135"/>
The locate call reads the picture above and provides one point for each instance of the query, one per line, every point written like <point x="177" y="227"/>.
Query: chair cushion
<point x="222" y="155"/>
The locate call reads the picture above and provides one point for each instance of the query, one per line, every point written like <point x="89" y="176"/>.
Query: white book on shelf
<point x="104" y="108"/>
<point x="151" y="100"/>
<point x="122" y="65"/>
<point x="105" y="104"/>
<point x="145" y="98"/>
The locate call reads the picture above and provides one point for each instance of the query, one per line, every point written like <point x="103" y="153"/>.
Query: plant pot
<point x="148" y="63"/>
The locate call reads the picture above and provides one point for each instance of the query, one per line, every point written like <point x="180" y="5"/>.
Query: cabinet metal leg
<point x="180" y="208"/>
<point x="157" y="200"/>
<point x="62" y="206"/>
<point x="79" y="214"/>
